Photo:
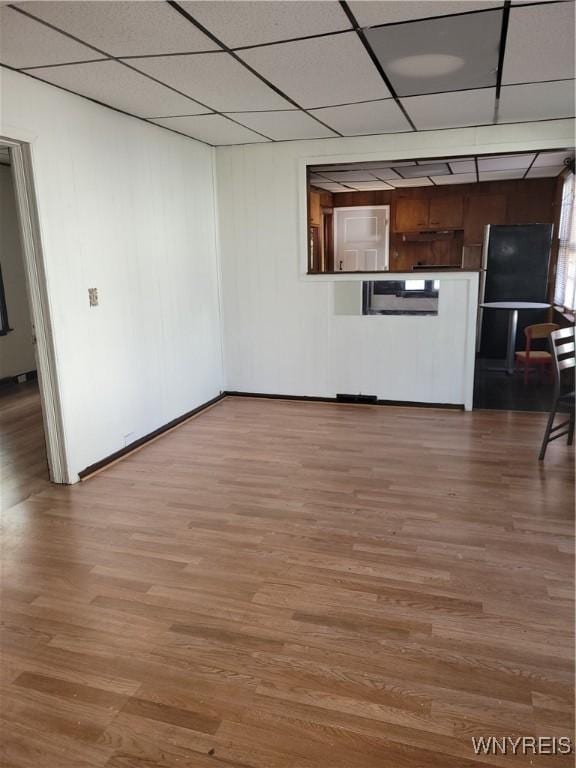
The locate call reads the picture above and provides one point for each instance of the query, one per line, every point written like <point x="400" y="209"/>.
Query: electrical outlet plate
<point x="93" y="296"/>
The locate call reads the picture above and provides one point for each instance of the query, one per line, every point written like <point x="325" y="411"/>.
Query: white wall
<point x="127" y="208"/>
<point x="16" y="348"/>
<point x="281" y="335"/>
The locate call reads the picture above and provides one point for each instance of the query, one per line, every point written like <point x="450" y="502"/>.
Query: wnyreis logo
<point x="522" y="745"/>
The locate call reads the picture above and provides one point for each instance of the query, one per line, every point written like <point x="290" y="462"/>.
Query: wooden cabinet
<point x="411" y="214"/>
<point x="442" y="212"/>
<point x="314" y="208"/>
<point x="446" y="212"/>
<point x="482" y="210"/>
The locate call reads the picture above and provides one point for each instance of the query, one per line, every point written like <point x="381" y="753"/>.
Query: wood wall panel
<point x="471" y="206"/>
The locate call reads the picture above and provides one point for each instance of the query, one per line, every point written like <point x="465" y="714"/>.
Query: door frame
<point x="36" y="286"/>
<point x="364" y="208"/>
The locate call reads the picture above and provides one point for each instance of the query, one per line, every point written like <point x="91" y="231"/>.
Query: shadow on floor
<point x="497" y="390"/>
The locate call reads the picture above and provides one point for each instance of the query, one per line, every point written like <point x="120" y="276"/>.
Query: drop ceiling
<point x="388" y="175"/>
<point x="241" y="72"/>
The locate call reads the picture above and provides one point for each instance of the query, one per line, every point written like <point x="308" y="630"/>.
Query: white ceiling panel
<point x="385" y="174"/>
<point x="284" y="124"/>
<point x="422" y="182"/>
<point x="28" y="43"/>
<point x="458" y="178"/>
<point x="544" y="171"/>
<point x="214" y="129"/>
<point x="120" y="87"/>
<point x="501" y="175"/>
<point x="437" y="168"/>
<point x="330" y="187"/>
<point x="540" y="43"/>
<point x="366" y="186"/>
<point x="252" y="23"/>
<point x="450" y="110"/>
<point x="463" y="166"/>
<point x="548" y="159"/>
<point x="435" y="55"/>
<point x="320" y="72"/>
<point x="346" y="177"/>
<point x="371" y="12"/>
<point x="124" y="28"/>
<point x="504" y="162"/>
<point x="361" y="119"/>
<point x="536" y="101"/>
<point x="215" y="79"/>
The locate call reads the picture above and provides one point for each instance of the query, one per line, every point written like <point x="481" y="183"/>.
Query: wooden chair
<point x="562" y="345"/>
<point x="535" y="357"/>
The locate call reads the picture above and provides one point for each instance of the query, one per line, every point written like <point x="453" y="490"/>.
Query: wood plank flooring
<point x="23" y="464"/>
<point x="295" y="585"/>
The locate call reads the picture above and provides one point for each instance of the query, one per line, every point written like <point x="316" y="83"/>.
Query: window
<point x="400" y="297"/>
<point x="4" y="326"/>
<point x="565" y="292"/>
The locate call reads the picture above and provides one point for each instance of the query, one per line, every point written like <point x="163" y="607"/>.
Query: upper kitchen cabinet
<point x="446" y="212"/>
<point x="411" y="214"/>
<point x="417" y="213"/>
<point x="482" y="210"/>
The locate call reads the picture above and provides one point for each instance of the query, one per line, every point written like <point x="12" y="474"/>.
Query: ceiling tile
<point x="214" y="129"/>
<point x="536" y="101"/>
<point x="446" y="54"/>
<point x="458" y="178"/>
<point x="252" y="23"/>
<point x="124" y="28"/>
<point x="361" y="119"/>
<point x="215" y="79"/>
<point x="504" y="162"/>
<point x="463" y="166"/>
<point x="500" y="175"/>
<point x="438" y="169"/>
<point x="544" y="171"/>
<point x="371" y="12"/>
<point x="366" y="186"/>
<point x="284" y="124"/>
<point x="386" y="173"/>
<point x="320" y="72"/>
<point x="120" y="87"/>
<point x="552" y="158"/>
<point x="28" y="43"/>
<point x="540" y="43"/>
<point x="330" y="187"/>
<point x="345" y="177"/>
<point x="451" y="110"/>
<point x="420" y="182"/>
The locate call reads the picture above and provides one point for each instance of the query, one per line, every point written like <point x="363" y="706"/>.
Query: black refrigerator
<point x="515" y="261"/>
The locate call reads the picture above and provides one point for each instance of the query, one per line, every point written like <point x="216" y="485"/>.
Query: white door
<point x="361" y="238"/>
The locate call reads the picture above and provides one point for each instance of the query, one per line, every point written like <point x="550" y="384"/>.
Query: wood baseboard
<point x="123" y="452"/>
<point x="339" y="400"/>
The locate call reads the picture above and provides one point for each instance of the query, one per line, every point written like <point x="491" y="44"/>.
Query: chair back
<point x="540" y="330"/>
<point x="562" y="347"/>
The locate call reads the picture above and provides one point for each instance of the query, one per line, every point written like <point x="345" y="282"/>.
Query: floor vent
<point x="356" y="398"/>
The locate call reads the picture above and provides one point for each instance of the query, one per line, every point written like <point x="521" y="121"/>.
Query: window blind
<point x="565" y="289"/>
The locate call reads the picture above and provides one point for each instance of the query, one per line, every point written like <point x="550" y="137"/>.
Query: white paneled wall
<point x="281" y="334"/>
<point x="16" y="348"/>
<point x="127" y="208"/>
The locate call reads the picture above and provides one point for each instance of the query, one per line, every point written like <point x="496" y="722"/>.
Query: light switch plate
<point x="93" y="296"/>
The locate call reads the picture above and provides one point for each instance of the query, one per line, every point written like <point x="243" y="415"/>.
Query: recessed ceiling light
<point x="426" y="65"/>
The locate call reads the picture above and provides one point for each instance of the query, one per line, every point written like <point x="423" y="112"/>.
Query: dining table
<point x="512" y="308"/>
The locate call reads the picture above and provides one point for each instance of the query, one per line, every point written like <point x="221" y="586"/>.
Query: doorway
<point x="30" y="415"/>
<point x="361" y="238"/>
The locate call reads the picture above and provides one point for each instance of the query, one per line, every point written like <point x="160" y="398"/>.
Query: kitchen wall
<point x="281" y="333"/>
<point x="127" y="208"/>
<point x="524" y="201"/>
<point x="16" y="348"/>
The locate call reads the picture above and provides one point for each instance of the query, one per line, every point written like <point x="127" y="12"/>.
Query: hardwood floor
<point x="295" y="585"/>
<point x="23" y="465"/>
